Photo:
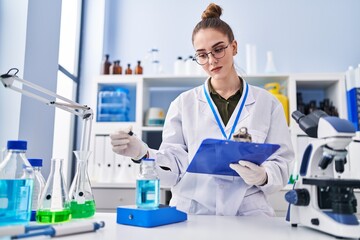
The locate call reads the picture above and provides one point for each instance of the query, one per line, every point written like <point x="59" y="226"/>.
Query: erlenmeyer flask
<point x="54" y="202"/>
<point x="81" y="197"/>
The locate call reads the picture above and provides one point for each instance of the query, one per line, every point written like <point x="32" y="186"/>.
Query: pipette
<point x="60" y="229"/>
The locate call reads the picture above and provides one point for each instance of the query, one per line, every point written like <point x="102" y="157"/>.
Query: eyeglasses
<point x="203" y="58"/>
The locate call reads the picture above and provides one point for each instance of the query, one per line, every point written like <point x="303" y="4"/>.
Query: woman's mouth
<point x="216" y="69"/>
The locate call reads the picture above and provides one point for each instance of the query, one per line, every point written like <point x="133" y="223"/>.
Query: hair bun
<point x="212" y="11"/>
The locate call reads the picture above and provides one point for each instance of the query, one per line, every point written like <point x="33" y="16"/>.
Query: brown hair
<point x="211" y="19"/>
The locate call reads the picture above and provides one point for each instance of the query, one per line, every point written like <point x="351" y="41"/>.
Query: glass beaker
<point x="82" y="202"/>
<point x="54" y="202"/>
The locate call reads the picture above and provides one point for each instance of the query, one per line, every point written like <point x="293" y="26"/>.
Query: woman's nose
<point x="212" y="59"/>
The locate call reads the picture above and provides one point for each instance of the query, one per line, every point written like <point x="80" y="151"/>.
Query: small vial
<point x="128" y="69"/>
<point x="138" y="68"/>
<point x="117" y="69"/>
<point x="106" y="65"/>
<point x="39" y="184"/>
<point x="148" y="185"/>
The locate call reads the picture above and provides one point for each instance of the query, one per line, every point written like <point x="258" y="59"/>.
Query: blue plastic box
<point x="134" y="216"/>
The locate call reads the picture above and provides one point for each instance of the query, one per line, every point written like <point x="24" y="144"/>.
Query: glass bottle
<point x="117" y="67"/>
<point x="138" y="68"/>
<point x="82" y="202"/>
<point x="128" y="69"/>
<point x="39" y="184"/>
<point x="147" y="185"/>
<point x="270" y="65"/>
<point x="54" y="204"/>
<point x="16" y="185"/>
<point x="106" y="65"/>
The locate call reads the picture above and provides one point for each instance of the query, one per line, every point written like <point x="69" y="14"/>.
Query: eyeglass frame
<point x="207" y="55"/>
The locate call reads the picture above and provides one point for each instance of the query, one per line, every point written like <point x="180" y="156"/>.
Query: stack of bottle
<point x="115" y="68"/>
<point x="353" y="95"/>
<point x="25" y="196"/>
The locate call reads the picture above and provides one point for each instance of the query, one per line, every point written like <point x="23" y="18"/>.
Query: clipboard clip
<point x="242" y="135"/>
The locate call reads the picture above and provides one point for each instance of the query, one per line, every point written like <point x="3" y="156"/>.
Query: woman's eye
<point x="218" y="50"/>
<point x="202" y="55"/>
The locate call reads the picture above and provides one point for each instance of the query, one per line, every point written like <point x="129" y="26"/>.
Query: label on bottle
<point x="4" y="202"/>
<point x="24" y="193"/>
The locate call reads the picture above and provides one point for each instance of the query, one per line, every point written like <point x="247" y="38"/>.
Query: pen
<point x="61" y="229"/>
<point x="11" y="230"/>
<point x="130" y="133"/>
<point x="19" y="229"/>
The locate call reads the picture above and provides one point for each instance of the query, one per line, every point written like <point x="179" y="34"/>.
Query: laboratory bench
<point x="203" y="227"/>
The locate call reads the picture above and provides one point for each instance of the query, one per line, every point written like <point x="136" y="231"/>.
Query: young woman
<point x="210" y="111"/>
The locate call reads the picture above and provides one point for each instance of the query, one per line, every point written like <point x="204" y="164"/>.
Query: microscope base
<point x="319" y="220"/>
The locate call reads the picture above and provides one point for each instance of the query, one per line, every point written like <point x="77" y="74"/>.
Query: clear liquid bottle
<point x="147" y="185"/>
<point x="54" y="206"/>
<point x="82" y="202"/>
<point x="39" y="184"/>
<point x="16" y="185"/>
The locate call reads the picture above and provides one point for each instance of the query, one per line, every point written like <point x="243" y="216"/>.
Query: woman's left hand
<point x="250" y="172"/>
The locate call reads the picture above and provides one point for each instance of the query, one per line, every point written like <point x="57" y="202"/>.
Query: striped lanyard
<point x="243" y="100"/>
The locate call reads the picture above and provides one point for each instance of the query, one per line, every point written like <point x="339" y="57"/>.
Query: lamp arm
<point x="68" y="105"/>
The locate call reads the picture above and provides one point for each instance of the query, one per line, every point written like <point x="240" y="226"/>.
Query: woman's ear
<point x="234" y="47"/>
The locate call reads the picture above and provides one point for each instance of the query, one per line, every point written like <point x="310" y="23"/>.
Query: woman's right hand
<point x="126" y="144"/>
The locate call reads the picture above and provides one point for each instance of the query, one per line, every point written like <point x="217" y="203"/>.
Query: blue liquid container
<point x="147" y="193"/>
<point x="38" y="185"/>
<point x="148" y="186"/>
<point x="16" y="185"/>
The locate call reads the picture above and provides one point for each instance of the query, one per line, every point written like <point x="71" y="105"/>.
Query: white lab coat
<point x="189" y="121"/>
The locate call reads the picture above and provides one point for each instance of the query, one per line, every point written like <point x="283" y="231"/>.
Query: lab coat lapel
<point x="245" y="111"/>
<point x="204" y="106"/>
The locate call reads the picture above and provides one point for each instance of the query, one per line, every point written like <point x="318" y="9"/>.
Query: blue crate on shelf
<point x="116" y="103"/>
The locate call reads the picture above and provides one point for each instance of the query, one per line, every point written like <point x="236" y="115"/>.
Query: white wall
<point x="304" y="35"/>
<point x="34" y="50"/>
<point x="13" y="35"/>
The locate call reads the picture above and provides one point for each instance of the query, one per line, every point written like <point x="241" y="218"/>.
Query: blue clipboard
<point x="215" y="155"/>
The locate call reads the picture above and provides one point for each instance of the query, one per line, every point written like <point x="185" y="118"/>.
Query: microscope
<point x="321" y="198"/>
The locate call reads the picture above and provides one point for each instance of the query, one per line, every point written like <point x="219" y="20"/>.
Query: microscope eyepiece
<point x="297" y="115"/>
<point x="309" y="123"/>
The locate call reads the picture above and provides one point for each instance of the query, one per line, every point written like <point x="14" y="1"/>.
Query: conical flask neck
<point x="82" y="155"/>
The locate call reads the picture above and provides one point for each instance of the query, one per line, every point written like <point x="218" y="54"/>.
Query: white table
<point x="202" y="227"/>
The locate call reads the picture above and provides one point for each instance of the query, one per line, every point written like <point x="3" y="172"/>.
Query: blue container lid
<point x="36" y="162"/>
<point x="17" y="144"/>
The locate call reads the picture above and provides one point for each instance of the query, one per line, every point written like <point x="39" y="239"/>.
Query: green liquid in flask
<point x="82" y="210"/>
<point x="44" y="216"/>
